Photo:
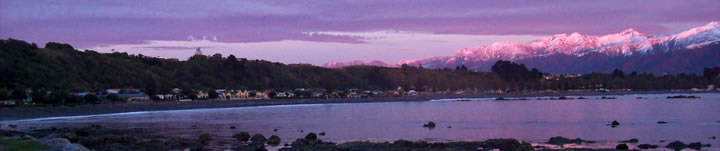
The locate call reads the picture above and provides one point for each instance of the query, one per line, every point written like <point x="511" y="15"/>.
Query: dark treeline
<point x="60" y="68"/>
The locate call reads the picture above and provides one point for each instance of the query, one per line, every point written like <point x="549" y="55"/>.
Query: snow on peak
<point x="626" y="42"/>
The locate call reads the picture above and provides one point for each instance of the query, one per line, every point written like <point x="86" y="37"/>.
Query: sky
<point x="319" y="31"/>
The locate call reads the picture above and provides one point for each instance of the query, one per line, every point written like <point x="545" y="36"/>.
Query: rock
<point x="560" y="141"/>
<point x="204" y="138"/>
<point x="74" y="147"/>
<point x="274" y="140"/>
<point x="258" y="139"/>
<point x="563" y="98"/>
<point x="622" y="147"/>
<point x="634" y="140"/>
<point x="56" y="142"/>
<point x="500" y="98"/>
<point x="697" y="145"/>
<point x="96" y="126"/>
<point x="275" y="130"/>
<point x="676" y="145"/>
<point x="430" y="124"/>
<point x="321" y="133"/>
<point x="647" y="146"/>
<point x="12" y="126"/>
<point x="242" y="136"/>
<point x="607" y="97"/>
<point x="662" y="122"/>
<point x="683" y="97"/>
<point x="615" y="124"/>
<point x="72" y="137"/>
<point x="581" y="98"/>
<point x="514" y="145"/>
<point x="82" y="132"/>
<point x="311" y="137"/>
<point x="232" y="127"/>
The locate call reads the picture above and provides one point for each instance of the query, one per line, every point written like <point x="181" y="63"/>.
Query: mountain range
<point x="688" y="51"/>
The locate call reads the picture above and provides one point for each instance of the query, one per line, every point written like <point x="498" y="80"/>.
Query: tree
<point x="212" y="94"/>
<point x="112" y="97"/>
<point x="18" y="94"/>
<point x="463" y="68"/>
<point x="4" y="94"/>
<point x="711" y="73"/>
<point x="90" y="98"/>
<point x="39" y="96"/>
<point x="618" y="73"/>
<point x="513" y="72"/>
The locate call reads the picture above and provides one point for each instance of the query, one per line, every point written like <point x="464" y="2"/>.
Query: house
<point x="316" y="93"/>
<point x="201" y="95"/>
<point x="234" y="94"/>
<point x="134" y="97"/>
<point x="260" y="95"/>
<point x="165" y="96"/>
<point x="353" y="95"/>
<point x="112" y="91"/>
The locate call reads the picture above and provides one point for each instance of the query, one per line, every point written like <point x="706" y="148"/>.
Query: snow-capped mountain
<point x="628" y="43"/>
<point x="354" y="63"/>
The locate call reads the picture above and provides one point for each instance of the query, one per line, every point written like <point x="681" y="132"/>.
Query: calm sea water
<point x="528" y="120"/>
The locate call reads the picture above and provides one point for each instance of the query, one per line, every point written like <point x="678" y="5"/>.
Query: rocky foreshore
<point x="98" y="138"/>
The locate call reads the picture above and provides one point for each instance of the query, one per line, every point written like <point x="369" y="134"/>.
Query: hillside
<point x="60" y="66"/>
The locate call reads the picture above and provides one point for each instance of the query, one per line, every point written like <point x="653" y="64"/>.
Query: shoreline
<point x="35" y="112"/>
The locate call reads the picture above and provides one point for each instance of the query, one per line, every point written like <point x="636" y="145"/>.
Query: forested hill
<point x="60" y="66"/>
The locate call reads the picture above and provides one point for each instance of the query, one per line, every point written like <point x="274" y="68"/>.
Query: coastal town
<point x="117" y="95"/>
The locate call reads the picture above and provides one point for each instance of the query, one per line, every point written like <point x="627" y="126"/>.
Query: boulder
<point x="242" y="136"/>
<point x="514" y="145"/>
<point x="560" y="141"/>
<point x="676" y="145"/>
<point x="634" y="140"/>
<point x="72" y="137"/>
<point x="697" y="145"/>
<point x="258" y="139"/>
<point x="274" y="140"/>
<point x="662" y="122"/>
<point x="622" y="147"/>
<point x="647" y="146"/>
<point x="321" y="133"/>
<point x="615" y="124"/>
<point x="74" y="147"/>
<point x="56" y="142"/>
<point x="430" y="124"/>
<point x="311" y="137"/>
<point x="204" y="138"/>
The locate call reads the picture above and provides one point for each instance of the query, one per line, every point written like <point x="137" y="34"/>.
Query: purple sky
<point x="315" y="32"/>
